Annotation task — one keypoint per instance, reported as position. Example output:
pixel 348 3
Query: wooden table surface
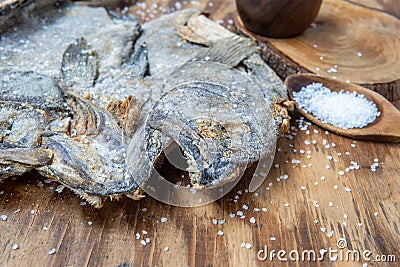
pixel 309 201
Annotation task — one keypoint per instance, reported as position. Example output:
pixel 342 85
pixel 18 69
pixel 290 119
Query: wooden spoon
pixel 386 127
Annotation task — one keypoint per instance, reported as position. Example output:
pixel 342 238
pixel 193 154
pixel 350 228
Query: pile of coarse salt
pixel 341 109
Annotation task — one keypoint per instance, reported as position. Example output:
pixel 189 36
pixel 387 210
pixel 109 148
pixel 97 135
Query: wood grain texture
pixel 297 208
pixel 362 48
pixel 387 6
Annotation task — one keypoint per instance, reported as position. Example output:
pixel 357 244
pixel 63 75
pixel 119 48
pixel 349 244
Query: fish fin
pixel 138 194
pixel 139 62
pixel 223 46
pixel 17 161
pixel 26 156
pixel 229 51
pixel 201 30
pixel 80 65
pixel 95 201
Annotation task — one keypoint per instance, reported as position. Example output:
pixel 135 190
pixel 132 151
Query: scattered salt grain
pixel 374 166
pixel 333 258
pixel 137 235
pixel 330 234
pixel 221 222
pixel 220 233
pixel 245 207
pixel 90 223
pixel 347 189
pixel 178 5
pixel 166 248
pixel 330 204
pixel 59 189
pixel 245 245
pixel 323 229
pixel 4 217
pixel 252 220
pixel 163 220
pixel 32 212
pixel 376 214
pixel 214 221
pixel 333 107
pixel 143 242
pixel 14 246
pixel 52 251
pixel 272 238
pixel 144 232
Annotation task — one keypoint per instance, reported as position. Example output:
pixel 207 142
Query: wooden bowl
pixel 278 18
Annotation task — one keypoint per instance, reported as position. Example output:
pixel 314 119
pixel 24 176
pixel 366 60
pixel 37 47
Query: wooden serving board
pixel 309 203
pixel 347 41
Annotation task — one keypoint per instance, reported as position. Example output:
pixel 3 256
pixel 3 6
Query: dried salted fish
pixel 122 93
pixel 12 11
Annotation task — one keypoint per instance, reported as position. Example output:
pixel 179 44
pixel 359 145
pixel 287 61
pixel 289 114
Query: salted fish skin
pixel 119 75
